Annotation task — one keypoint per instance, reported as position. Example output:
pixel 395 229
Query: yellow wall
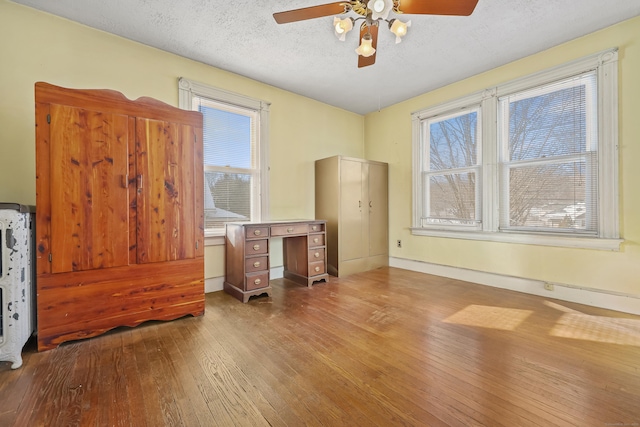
pixel 388 138
pixel 35 46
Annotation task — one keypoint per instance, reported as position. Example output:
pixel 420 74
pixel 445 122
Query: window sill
pixel 213 239
pixel 526 239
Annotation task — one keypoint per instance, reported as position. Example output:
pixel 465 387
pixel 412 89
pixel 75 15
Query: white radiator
pixel 17 290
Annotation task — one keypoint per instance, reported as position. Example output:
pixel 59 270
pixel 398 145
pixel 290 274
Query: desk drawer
pixel 316 267
pixel 316 254
pixel 251 265
pixel 315 228
pixel 256 281
pixel 256 247
pixel 257 232
pixel 316 240
pixel 289 229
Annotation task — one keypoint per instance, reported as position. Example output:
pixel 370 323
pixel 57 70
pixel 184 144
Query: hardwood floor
pixel 383 348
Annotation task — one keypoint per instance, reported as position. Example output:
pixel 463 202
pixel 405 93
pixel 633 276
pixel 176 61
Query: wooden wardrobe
pixel 119 212
pixel 353 196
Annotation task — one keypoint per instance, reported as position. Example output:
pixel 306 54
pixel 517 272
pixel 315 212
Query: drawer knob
pixel 256 247
pixel 314 228
pixel 257 282
pixel 317 269
pixel 316 240
pixel 290 230
pixel 256 232
pixel 317 255
pixel 256 264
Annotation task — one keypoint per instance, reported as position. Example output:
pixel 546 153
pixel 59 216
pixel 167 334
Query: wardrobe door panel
pixel 88 189
pixel 351 208
pixel 378 209
pixel 166 195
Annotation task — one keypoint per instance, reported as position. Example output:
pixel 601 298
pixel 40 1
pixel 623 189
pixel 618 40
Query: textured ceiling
pixel 305 57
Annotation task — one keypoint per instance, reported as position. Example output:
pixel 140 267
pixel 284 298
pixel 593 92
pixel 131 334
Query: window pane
pixel 552 120
pixel 552 196
pixel 227 198
pixel 452 198
pixel 228 136
pixel 453 142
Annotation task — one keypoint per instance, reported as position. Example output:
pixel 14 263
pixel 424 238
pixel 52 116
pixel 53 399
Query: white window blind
pixel 549 161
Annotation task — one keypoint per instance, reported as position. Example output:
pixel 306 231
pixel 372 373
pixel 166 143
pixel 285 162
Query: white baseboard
pixel 276 273
pixel 214 284
pixel 625 303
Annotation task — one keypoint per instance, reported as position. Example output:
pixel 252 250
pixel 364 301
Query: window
pixel 235 140
pixel 548 155
pixel 451 169
pixel 530 161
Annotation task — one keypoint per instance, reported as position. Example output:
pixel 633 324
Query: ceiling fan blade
pixel 438 7
pixel 365 61
pixel 309 12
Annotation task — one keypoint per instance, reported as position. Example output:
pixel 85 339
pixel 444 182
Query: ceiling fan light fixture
pixel 366 49
pixel 399 28
pixel 380 8
pixel 342 27
pixel 370 14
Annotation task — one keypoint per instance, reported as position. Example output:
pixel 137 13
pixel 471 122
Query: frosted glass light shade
pixel 366 49
pixel 342 27
pixel 399 28
pixel 380 8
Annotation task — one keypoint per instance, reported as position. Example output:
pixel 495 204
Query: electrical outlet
pixel 399 244
pixel 548 286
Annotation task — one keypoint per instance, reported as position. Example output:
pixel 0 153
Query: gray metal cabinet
pixel 352 195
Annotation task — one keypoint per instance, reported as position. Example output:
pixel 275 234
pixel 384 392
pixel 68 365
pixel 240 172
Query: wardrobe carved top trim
pixel 112 101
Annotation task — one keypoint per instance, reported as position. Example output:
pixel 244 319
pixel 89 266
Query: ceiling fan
pixel 372 13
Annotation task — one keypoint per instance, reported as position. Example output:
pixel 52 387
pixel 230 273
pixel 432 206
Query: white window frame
pixel 608 238
pixel 187 89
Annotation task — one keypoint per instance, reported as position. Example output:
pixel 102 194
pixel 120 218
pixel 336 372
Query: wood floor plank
pixel 387 347
pixel 161 378
pixel 135 394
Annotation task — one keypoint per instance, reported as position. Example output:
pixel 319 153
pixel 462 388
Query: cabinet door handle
pixel 256 264
pixel 317 269
pixel 359 203
pixel 370 202
pixel 256 247
pixel 257 282
pixel 317 255
pixel 140 181
pixel 290 230
pixel 256 232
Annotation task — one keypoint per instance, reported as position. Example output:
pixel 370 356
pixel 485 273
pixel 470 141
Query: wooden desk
pixel 247 255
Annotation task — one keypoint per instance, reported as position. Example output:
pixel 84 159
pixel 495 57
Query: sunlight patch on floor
pixel 596 328
pixel 506 319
